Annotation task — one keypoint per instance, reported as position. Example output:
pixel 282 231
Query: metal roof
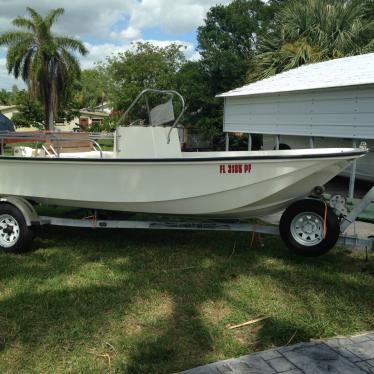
pixel 347 71
pixel 95 113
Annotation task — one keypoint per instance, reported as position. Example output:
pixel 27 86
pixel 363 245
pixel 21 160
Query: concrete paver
pixel 269 355
pixel 364 350
pixel 347 354
pixel 342 355
pixel 366 367
pixel 320 359
pixel 281 364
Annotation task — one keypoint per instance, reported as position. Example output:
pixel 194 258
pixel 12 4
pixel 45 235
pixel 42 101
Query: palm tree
pixel 315 30
pixel 46 62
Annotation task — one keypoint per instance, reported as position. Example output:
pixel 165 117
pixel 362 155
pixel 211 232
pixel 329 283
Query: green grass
pixel 8 150
pixel 161 301
pixel 106 144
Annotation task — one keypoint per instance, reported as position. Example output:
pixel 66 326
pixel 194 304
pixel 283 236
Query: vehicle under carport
pixel 6 125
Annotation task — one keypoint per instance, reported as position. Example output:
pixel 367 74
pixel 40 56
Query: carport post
pixel 227 141
pixel 277 142
pixel 352 178
pixel 249 142
pixel 311 142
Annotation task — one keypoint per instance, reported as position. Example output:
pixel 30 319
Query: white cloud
pixel 97 53
pixel 130 33
pixel 82 17
pixel 172 16
pixel 103 19
pixel 7 80
pixel 111 25
pixel 188 48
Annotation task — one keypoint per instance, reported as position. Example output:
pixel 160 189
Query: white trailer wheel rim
pixel 307 229
pixel 9 231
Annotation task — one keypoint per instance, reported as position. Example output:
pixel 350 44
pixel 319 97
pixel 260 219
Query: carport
pixel 331 99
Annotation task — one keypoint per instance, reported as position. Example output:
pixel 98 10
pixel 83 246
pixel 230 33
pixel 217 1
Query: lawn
pixel 90 301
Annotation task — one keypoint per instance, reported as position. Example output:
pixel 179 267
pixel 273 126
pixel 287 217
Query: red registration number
pixel 235 168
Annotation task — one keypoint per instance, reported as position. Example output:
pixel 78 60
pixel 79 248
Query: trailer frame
pixel 95 222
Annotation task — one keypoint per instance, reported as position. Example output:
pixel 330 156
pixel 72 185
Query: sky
pixel 110 26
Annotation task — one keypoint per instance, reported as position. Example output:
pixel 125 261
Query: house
pixel 8 110
pixel 88 118
pixel 85 119
pixel 104 107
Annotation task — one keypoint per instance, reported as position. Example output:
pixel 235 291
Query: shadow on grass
pixel 84 287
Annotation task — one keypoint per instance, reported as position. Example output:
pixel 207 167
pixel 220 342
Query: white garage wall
pixel 346 112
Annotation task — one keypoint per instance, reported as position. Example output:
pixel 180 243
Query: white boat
pixel 148 172
pixel 236 184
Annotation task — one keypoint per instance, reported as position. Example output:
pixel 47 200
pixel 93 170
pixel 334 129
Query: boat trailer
pixel 31 218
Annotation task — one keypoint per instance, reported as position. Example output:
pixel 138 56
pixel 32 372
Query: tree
pixel 204 111
pixel 143 66
pixel 312 31
pixel 90 90
pixel 227 41
pixel 46 62
pixel 5 97
pixel 30 111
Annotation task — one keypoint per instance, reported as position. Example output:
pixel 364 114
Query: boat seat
pixel 23 152
pixel 69 143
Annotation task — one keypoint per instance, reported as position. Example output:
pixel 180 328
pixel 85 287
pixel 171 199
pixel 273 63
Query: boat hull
pixel 226 185
pixel 364 167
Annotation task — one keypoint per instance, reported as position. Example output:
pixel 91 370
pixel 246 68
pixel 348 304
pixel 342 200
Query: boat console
pixel 150 138
pixel 147 142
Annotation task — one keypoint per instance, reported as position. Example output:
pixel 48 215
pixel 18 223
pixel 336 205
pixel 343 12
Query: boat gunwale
pixel 344 154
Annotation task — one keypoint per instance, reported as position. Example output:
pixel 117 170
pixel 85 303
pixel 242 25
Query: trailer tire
pixel 15 235
pixel 302 228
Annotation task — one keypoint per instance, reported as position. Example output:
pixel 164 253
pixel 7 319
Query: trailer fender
pixel 27 210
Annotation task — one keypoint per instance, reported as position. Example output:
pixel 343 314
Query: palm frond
pixel 315 30
pixel 27 60
pixel 70 43
pixel 35 16
pixel 13 37
pixel 15 56
pixel 53 15
pixel 70 62
pixel 24 22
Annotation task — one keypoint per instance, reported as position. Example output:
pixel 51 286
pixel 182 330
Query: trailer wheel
pixel 15 236
pixel 303 231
